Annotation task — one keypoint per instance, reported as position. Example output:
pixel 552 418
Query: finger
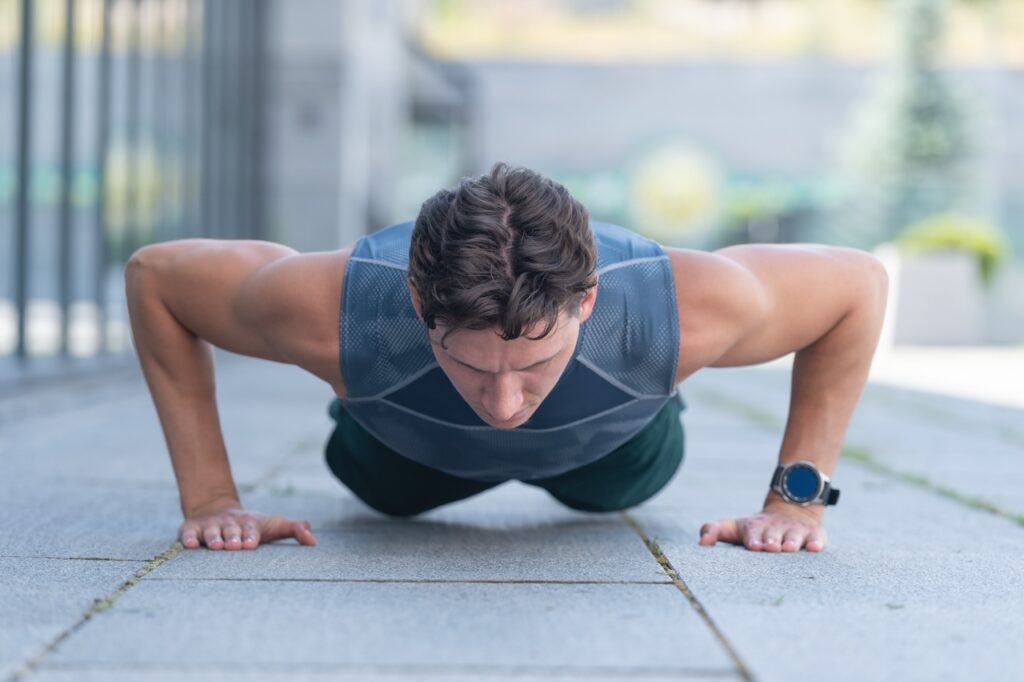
pixel 190 535
pixel 212 537
pixel 709 533
pixel 274 528
pixel 793 540
pixel 816 540
pixel 250 535
pixel 728 531
pixel 232 536
pixel 278 528
pixel 301 531
pixel 773 539
pixel 753 536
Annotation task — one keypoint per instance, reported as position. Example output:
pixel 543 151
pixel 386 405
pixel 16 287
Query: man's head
pixel 502 271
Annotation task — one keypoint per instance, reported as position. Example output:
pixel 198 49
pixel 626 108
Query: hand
pixel 779 527
pixel 237 528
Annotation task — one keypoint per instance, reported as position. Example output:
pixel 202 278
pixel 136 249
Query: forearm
pixel 827 381
pixel 178 368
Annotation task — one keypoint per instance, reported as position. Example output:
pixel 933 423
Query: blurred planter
pixel 940 275
pixel 935 298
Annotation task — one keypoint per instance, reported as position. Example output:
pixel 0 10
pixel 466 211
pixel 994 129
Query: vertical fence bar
pixel 161 126
pixel 22 217
pixel 130 238
pixel 206 134
pixel 67 142
pixel 239 74
pixel 255 168
pixel 102 145
pixel 215 22
pixel 190 137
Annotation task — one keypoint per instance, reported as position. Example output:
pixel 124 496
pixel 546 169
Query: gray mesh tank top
pixel 622 371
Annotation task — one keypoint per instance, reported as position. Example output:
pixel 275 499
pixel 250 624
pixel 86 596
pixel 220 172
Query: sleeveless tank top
pixel 621 373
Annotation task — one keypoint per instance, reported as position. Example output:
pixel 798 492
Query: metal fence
pixel 122 122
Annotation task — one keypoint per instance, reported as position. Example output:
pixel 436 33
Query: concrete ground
pixel 923 577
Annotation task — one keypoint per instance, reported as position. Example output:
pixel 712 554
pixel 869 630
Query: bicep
pixel 806 290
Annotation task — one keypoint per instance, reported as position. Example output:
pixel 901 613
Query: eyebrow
pixel 466 364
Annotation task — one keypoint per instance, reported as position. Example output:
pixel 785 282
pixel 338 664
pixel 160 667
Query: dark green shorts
pixel 397 486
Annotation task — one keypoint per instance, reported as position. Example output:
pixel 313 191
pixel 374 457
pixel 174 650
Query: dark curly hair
pixel 507 249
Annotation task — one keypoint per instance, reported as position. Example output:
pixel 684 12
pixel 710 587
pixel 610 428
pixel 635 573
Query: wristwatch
pixel 802 483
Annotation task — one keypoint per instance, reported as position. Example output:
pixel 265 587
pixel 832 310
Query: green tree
pixel 912 152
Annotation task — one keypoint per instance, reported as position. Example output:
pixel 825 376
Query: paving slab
pixel 911 586
pixel 68 519
pixel 975 450
pixel 268 412
pixel 515 534
pixel 497 626
pixel 41 598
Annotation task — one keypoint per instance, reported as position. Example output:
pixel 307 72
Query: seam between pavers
pixel 99 605
pixel 514 670
pixel 443 581
pixel 741 667
pixel 861 455
pixel 938 414
pixel 298 448
pixel 71 558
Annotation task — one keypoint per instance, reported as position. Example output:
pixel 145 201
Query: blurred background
pixel 887 125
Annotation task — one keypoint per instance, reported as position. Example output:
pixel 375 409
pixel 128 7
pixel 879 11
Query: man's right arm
pixel 186 296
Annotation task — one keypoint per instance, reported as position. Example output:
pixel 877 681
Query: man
pixel 504 336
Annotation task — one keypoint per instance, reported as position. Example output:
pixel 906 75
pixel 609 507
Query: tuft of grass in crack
pixel 861 455
pixel 308 445
pixel 100 604
pixel 866 459
pixel 655 550
pixel 666 567
pixel 286 490
pixel 758 416
pixel 943 416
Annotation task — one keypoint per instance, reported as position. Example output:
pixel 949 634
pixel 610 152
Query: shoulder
pixel 719 300
pixel 297 300
pixel 751 303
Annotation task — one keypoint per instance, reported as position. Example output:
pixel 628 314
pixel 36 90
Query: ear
pixel 587 304
pixel 416 305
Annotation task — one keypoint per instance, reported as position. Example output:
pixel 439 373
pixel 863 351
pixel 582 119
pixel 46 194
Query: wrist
pixel 773 501
pixel 212 505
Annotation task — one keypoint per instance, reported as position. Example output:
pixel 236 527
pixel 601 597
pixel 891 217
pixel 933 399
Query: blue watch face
pixel 801 482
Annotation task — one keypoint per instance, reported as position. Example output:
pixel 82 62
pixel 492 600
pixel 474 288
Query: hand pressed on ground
pixel 780 527
pixel 237 528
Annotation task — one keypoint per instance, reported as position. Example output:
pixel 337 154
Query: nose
pixel 503 398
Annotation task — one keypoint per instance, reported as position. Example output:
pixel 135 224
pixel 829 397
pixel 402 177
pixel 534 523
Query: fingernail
pixel 235 538
pixel 249 538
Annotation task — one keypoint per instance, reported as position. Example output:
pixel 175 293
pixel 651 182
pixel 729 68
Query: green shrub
pixel 953 231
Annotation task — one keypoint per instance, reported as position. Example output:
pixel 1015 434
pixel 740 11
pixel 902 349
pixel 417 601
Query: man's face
pixel 506 381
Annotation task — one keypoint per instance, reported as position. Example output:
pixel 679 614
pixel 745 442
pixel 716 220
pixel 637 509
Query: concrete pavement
pixel 922 579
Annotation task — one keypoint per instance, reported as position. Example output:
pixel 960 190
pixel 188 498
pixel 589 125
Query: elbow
pixel 874 285
pixel 879 278
pixel 140 266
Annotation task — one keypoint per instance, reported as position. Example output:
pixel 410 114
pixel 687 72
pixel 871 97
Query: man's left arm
pixel 827 304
